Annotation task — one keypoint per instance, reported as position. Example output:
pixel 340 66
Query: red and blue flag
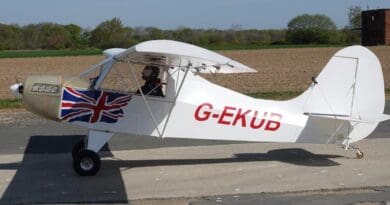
pixel 92 105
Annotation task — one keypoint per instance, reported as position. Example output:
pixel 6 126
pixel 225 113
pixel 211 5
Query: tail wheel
pixel 86 163
pixel 359 154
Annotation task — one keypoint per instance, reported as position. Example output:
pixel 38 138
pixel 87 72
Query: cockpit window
pixel 123 78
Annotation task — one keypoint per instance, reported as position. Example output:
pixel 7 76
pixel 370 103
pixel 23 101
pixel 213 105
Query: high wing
pixel 177 54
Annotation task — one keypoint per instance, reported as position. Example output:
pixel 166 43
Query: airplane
pixel 343 104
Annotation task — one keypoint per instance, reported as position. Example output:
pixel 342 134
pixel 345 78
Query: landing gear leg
pixel 79 146
pixel 86 161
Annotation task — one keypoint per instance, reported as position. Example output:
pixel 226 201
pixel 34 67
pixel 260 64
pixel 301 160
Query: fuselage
pixel 202 110
pixel 198 109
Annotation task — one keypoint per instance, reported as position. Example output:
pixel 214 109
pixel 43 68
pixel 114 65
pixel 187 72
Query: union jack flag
pixel 92 105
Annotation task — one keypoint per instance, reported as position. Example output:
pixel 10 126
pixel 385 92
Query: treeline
pixel 112 33
pixel 303 29
pixel 42 36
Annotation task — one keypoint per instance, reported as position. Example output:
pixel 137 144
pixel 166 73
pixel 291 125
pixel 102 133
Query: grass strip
pixel 10 103
pixel 48 53
pixel 276 95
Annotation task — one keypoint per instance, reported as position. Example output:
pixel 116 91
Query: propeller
pixel 17 89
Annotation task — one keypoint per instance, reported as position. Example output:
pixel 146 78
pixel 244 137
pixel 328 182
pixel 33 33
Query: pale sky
pixel 171 14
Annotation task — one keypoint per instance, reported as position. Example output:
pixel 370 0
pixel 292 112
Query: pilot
pixel 152 81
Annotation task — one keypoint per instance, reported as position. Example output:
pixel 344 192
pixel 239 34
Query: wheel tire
pixel 86 163
pixel 78 147
pixel 359 155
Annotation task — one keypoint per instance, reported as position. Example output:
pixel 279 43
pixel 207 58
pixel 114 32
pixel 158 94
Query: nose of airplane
pixel 41 94
pixel 17 89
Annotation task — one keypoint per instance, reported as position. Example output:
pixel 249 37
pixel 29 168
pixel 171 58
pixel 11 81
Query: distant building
pixel 376 27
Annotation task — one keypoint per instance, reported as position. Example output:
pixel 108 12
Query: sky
pixel 172 14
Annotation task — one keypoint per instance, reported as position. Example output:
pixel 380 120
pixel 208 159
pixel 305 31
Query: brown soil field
pixel 278 69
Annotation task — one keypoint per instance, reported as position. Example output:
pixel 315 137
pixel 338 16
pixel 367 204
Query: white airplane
pixel 343 105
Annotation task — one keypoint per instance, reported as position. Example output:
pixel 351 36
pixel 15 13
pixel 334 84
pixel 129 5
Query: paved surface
pixel 35 166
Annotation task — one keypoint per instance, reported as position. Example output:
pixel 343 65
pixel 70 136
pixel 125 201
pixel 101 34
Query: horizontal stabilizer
pixel 385 117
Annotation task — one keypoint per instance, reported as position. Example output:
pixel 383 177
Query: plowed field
pixel 278 69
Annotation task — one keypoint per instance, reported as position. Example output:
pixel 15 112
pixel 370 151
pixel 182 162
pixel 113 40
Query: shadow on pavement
pixel 298 157
pixel 294 156
pixel 45 174
pixel 54 144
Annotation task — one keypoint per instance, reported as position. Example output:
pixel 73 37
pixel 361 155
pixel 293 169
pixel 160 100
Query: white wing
pixel 173 53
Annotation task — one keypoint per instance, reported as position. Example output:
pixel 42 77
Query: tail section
pixel 346 100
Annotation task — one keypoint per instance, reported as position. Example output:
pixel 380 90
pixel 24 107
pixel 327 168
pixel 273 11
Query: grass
pixel 276 95
pixel 48 53
pixel 10 103
pixel 387 93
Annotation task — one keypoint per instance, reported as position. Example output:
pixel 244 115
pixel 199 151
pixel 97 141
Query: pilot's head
pixel 150 72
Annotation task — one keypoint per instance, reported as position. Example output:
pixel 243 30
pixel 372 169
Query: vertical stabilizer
pixel 347 99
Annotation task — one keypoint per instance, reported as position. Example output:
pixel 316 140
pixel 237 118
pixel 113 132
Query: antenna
pixel 368 4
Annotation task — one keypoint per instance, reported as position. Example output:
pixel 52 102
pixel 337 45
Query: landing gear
pixel 78 147
pixel 347 146
pixel 86 161
pixel 359 154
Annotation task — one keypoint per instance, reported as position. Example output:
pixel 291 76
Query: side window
pixel 121 79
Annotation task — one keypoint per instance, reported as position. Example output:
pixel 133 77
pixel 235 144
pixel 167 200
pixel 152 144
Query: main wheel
pixel 86 163
pixel 78 147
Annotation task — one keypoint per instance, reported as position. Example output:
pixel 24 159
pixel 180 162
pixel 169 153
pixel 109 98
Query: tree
pixel 46 36
pixel 75 36
pixel 11 37
pixel 53 36
pixel 355 17
pixel 49 36
pixel 185 34
pixel 352 31
pixel 155 33
pixel 31 36
pixel 312 29
pixel 110 34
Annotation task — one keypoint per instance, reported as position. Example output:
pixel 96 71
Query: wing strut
pixel 143 97
pixel 175 98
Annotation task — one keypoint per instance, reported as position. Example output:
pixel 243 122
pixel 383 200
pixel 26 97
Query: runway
pixel 36 167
